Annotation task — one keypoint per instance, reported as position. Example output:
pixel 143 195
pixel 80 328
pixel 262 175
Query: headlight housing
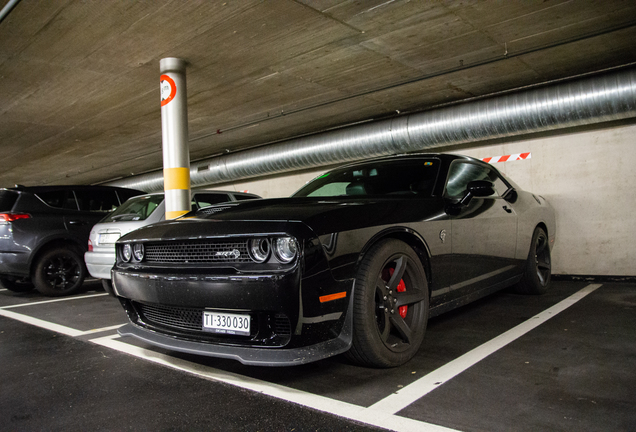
pixel 259 249
pixel 285 249
pixel 138 251
pixel 126 252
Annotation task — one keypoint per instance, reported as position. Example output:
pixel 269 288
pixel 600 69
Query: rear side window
pixel 62 199
pixel 7 200
pixel 97 200
pixel 208 199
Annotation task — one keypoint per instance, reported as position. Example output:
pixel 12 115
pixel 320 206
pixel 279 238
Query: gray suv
pixel 44 232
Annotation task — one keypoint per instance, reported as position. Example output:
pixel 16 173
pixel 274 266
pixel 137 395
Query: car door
pixel 484 230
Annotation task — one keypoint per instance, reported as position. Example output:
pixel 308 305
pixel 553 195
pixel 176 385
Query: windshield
pixel 412 177
pixel 135 209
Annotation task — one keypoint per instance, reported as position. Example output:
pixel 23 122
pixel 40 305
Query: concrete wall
pixel 589 177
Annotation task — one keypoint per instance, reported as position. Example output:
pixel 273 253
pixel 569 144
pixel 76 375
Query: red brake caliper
pixel 400 288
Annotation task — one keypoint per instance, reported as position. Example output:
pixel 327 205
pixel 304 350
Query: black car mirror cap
pixel 477 188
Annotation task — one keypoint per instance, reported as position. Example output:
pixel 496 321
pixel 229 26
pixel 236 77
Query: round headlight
pixel 126 252
pixel 258 249
pixel 138 251
pixel 285 249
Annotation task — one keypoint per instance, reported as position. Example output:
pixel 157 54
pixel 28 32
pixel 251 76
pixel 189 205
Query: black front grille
pixel 282 325
pixel 198 252
pixel 173 317
pixel 267 329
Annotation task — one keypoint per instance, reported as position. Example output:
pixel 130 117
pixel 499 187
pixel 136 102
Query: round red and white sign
pixel 168 89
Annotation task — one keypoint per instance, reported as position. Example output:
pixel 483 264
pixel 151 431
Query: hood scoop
pixel 213 209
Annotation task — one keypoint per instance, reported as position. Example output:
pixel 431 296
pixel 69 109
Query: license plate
pixel 225 323
pixel 109 238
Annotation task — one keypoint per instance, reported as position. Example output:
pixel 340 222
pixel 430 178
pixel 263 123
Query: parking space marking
pixel 54 300
pixel 381 414
pixel 3 289
pixel 99 330
pixel 40 323
pixel 418 389
pixel 321 403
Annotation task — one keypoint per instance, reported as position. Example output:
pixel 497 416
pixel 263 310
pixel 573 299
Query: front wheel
pixel 538 271
pixel 59 272
pixel 390 309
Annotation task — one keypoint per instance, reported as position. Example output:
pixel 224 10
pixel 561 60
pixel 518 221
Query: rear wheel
pixel 59 272
pixel 16 285
pixel 390 310
pixel 538 272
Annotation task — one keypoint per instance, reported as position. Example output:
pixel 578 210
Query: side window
pixel 461 173
pixel 58 199
pixel 208 199
pixel 97 200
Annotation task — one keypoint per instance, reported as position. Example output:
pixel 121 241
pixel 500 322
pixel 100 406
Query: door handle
pixel 509 210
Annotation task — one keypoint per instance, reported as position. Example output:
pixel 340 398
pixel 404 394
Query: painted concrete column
pixel 174 133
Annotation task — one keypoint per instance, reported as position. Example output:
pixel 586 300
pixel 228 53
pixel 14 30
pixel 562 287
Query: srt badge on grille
pixel 229 254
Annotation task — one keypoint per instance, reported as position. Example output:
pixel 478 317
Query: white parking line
pixel 40 323
pixel 54 301
pixel 99 330
pixel 321 403
pixel 409 394
pixel 381 414
pixel 3 289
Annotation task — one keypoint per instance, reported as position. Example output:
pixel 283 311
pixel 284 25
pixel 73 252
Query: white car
pixel 135 213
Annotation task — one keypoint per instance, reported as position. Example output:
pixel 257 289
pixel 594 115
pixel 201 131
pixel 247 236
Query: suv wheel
pixel 59 272
pixel 16 285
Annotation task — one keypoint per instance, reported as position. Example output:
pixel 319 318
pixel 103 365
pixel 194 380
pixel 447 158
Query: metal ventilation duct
pixel 611 96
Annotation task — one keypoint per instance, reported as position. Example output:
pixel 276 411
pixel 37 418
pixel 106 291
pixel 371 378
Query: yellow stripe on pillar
pixel 174 214
pixel 176 178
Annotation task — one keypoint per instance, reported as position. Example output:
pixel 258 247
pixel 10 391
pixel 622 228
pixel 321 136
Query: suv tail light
pixel 90 245
pixel 10 217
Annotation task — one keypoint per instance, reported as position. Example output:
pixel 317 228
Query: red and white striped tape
pixel 508 158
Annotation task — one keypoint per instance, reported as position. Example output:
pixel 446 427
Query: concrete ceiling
pixel 79 80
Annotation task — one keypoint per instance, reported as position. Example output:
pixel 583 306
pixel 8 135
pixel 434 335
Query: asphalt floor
pixel 561 361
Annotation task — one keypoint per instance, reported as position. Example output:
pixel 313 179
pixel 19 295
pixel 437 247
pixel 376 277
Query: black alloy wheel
pixel 538 272
pixel 59 272
pixel 391 302
pixel 17 285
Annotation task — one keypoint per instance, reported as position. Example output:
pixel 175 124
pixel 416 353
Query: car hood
pixel 322 216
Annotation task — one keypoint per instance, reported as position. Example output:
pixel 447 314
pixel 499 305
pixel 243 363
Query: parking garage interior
pixel 266 80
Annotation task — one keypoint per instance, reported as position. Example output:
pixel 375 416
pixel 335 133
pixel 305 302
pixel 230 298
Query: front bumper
pixel 248 355
pixel 288 325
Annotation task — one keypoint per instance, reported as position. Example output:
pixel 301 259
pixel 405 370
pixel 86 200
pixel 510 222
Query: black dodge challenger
pixel 356 261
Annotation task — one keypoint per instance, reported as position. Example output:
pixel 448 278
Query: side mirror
pixel 477 188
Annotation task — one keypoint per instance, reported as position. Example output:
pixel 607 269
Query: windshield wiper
pixel 120 216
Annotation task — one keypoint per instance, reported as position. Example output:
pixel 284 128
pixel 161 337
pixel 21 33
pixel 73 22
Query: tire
pixel 537 275
pixel 391 302
pixel 17 285
pixel 59 272
pixel 107 284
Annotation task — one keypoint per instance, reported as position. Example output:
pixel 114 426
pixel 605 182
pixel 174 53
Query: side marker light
pixel 330 297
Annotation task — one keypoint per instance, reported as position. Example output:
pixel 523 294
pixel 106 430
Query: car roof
pixel 38 189
pixel 199 190
pixel 443 156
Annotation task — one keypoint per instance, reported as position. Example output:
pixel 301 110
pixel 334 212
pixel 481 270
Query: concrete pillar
pixel 174 132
